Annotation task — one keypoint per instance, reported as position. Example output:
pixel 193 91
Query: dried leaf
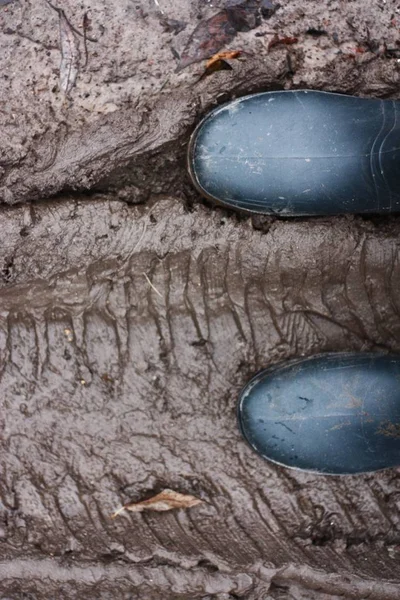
pixel 166 500
pixel 218 62
pixel 226 55
pixel 208 37
pixel 218 31
pixel 218 65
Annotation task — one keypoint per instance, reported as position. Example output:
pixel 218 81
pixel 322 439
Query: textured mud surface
pixel 127 332
pixel 114 389
pixel 129 115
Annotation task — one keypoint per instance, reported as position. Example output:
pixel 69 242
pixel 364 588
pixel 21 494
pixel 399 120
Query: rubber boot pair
pixel 298 153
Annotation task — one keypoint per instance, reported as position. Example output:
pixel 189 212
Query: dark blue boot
pixel 299 153
pixel 333 413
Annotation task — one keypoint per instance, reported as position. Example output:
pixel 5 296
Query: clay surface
pixel 132 314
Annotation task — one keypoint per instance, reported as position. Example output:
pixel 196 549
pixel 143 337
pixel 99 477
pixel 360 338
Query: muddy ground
pixel 132 313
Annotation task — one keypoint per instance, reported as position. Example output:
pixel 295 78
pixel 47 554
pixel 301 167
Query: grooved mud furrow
pixel 102 348
pixel 383 258
pixel 60 371
pixel 142 581
pixel 117 385
pixel 23 363
pixel 225 335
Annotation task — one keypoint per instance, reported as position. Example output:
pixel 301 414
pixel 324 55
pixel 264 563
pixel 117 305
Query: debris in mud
pixel 392 52
pixel 173 25
pixel 86 27
pixel 4 2
pixel 70 54
pixel 316 33
pixel 218 62
pixel 218 31
pixel 226 55
pixel 166 500
pixel 218 65
pixel 268 8
pixel 244 16
pixel 147 278
pixel 156 2
pixel 286 41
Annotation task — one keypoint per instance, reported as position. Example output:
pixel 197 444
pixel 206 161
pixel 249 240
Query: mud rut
pixel 131 314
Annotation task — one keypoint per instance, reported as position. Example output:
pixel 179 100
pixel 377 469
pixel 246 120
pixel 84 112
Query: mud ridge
pixel 122 359
pixel 94 579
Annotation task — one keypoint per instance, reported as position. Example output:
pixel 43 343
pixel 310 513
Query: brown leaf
pixel 217 65
pixel 208 37
pixel 218 62
pixel 166 500
pixel 226 55
pixel 218 31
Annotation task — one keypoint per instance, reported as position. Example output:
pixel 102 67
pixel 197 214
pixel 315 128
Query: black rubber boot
pixel 300 153
pixel 332 413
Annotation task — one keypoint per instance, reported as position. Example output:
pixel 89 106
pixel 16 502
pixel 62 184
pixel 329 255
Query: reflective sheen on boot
pixel 332 413
pixel 296 153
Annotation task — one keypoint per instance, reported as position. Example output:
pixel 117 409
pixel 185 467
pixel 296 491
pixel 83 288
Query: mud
pixel 114 389
pixel 129 105
pixel 132 313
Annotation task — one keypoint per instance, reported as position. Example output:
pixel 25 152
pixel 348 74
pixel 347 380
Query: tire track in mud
pixel 113 387
pixel 94 579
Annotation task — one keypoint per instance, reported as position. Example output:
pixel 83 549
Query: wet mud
pixel 132 313
pixel 126 336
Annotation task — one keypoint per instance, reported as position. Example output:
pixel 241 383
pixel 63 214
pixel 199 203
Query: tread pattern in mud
pixel 121 363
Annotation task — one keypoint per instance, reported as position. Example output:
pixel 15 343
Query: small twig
pixel 164 84
pixel 118 512
pixel 60 11
pixel 152 286
pixel 85 25
pixel 158 4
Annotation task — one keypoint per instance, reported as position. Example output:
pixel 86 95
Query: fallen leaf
pixel 218 65
pixel 218 31
pixel 218 62
pixel 208 37
pixel 166 500
pixel 226 55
